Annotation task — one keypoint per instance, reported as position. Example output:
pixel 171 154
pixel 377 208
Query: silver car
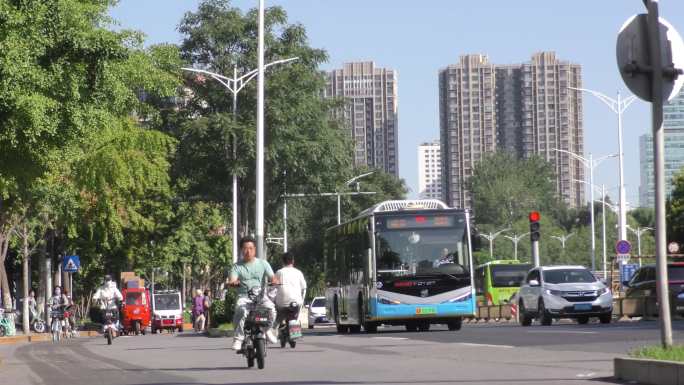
pixel 553 292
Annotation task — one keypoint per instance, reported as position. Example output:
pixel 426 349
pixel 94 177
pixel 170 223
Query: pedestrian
pixel 198 311
pixel 207 309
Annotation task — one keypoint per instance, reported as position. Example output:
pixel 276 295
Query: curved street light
pixel 491 237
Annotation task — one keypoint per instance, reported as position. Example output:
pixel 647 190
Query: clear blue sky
pixel 417 38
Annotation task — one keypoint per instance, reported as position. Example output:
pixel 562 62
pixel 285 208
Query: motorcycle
pixel 290 330
pixel 111 324
pixel 37 324
pixel 57 324
pixel 258 321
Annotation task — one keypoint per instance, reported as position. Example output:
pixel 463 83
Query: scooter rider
pixel 107 296
pixel 292 288
pixel 245 275
pixel 59 301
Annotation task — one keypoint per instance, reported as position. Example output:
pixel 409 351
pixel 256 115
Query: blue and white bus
pixel 403 262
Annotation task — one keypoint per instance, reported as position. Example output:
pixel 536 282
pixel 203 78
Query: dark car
pixel 643 284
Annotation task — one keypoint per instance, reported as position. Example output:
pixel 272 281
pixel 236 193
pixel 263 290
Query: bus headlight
pixel 387 301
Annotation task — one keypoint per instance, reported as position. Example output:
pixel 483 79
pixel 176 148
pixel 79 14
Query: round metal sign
pixel 633 52
pixel 673 247
pixel 623 247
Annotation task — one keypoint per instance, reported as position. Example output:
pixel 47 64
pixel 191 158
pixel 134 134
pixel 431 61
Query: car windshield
pixel 422 251
pixel 133 299
pixel 166 302
pixel 318 302
pixel 568 276
pixel 508 275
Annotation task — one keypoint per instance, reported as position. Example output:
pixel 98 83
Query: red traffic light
pixel 534 216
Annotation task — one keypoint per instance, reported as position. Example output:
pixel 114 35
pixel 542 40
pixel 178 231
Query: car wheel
pixel 455 325
pixel 523 317
pixel 583 320
pixel 544 316
pixel 311 326
pixel 370 327
pixel 424 326
pixel 411 327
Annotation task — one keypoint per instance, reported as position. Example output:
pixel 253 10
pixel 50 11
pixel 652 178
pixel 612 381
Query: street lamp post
pixel 618 106
pixel 603 219
pixel 638 232
pixel 562 238
pixel 491 237
pixel 236 84
pixel 591 164
pixel 515 239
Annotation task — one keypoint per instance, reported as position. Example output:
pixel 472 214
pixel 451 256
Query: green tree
pixel 305 148
pixel 505 189
pixel 675 210
pixel 68 84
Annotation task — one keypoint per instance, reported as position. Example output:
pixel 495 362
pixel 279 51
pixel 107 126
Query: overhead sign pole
pixel 650 55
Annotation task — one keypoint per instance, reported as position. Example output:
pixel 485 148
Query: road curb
pixel 645 371
pixel 44 337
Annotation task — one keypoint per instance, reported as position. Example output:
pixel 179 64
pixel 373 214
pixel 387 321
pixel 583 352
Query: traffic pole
pixel 659 158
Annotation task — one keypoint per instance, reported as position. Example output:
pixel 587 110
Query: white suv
pixel 550 292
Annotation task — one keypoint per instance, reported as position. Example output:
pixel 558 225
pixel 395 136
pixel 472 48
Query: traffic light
pixel 534 226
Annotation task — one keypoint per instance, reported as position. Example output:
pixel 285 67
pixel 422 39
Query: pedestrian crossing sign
pixel 71 264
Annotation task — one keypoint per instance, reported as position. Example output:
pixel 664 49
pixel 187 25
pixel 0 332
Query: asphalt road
pixel 478 354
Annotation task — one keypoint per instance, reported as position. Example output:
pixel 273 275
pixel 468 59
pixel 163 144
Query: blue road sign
pixel 71 264
pixel 623 247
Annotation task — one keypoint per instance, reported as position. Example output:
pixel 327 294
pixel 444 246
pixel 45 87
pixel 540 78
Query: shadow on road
pixel 381 382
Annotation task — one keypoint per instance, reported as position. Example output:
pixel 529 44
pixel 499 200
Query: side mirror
pixel 475 239
pixel 534 283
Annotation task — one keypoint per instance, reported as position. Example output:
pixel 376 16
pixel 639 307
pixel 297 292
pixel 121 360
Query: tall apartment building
pixel 673 129
pixel 370 112
pixel 429 171
pixel 525 109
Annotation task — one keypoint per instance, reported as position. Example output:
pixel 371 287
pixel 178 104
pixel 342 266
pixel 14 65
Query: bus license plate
pixel 426 310
pixel 583 306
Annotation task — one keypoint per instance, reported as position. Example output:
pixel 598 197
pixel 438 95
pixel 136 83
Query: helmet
pixel 107 278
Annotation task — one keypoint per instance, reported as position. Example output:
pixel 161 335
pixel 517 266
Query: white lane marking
pixel 586 375
pixel 560 332
pixel 389 338
pixel 485 345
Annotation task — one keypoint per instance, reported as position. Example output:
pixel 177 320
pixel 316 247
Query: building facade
pixel 673 126
pixel 370 112
pixel 526 109
pixel 429 171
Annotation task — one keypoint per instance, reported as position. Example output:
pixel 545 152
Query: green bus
pixel 498 281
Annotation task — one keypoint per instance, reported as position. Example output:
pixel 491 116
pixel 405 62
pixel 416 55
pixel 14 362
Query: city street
pixel 478 354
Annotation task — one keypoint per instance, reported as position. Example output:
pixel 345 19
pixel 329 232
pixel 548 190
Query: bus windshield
pixel 508 275
pixel 422 251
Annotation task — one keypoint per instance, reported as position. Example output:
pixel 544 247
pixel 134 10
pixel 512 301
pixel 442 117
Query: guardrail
pixel 645 307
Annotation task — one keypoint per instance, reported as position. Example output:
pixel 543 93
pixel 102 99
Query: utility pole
pixel 650 65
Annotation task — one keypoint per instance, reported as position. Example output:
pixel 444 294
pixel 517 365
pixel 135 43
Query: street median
pixel 645 371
